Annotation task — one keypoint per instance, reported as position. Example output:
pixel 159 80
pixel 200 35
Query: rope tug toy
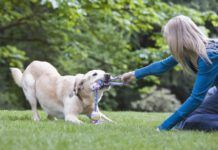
pixel 95 115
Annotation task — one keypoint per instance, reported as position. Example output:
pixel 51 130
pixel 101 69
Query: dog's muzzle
pixel 107 82
pixel 100 84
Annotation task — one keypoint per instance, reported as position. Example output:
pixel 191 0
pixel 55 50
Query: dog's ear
pixel 79 84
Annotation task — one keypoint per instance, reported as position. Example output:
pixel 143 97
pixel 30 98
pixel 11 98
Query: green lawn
pixel 133 130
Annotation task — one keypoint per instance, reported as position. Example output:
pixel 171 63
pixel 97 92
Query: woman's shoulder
pixel 212 45
pixel 212 52
pixel 212 48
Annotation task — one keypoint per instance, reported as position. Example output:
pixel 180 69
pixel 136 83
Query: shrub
pixel 159 100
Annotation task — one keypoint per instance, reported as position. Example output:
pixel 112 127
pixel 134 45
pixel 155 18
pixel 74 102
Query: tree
pixel 77 36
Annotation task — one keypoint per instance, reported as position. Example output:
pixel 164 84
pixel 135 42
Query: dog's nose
pixel 107 76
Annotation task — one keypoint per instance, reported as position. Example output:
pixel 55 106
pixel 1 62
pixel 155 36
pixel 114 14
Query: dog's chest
pixel 88 105
pixel 89 102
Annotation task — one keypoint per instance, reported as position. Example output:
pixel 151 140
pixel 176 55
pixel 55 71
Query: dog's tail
pixel 17 76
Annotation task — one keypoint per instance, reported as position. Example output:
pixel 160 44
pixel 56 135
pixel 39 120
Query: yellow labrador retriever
pixel 59 96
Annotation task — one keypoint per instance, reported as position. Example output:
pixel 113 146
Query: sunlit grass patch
pixel 132 130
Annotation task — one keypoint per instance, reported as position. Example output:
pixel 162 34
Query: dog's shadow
pixel 27 116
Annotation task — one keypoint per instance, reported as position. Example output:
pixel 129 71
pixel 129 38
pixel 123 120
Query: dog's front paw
pixel 73 119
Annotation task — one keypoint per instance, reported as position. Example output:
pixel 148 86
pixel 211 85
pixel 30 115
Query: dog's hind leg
pixel 33 104
pixel 30 93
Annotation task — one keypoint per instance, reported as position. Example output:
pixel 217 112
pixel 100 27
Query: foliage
pixel 11 56
pixel 9 100
pixel 198 4
pixel 157 100
pixel 76 36
pixel 180 83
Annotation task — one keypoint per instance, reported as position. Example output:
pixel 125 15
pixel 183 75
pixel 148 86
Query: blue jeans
pixel 205 117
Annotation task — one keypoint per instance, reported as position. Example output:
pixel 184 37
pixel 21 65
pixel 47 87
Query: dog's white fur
pixel 59 96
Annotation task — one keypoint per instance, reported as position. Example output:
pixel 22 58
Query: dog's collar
pixel 78 95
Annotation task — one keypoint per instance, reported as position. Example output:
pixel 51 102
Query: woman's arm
pixel 205 79
pixel 156 68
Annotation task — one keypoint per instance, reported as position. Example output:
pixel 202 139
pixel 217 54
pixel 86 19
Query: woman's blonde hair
pixel 186 41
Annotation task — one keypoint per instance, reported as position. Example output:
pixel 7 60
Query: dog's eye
pixel 95 74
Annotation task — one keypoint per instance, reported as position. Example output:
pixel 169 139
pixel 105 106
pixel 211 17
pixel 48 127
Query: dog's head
pixel 86 81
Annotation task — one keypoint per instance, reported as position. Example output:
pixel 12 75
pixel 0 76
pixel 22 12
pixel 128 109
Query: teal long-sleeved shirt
pixel 207 76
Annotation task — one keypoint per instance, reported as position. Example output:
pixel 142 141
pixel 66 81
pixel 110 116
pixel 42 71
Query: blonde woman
pixel 198 54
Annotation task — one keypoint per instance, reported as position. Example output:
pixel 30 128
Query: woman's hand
pixel 128 77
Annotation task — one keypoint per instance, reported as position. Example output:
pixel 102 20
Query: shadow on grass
pixel 8 115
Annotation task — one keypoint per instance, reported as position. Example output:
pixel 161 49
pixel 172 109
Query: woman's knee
pixel 212 91
pixel 203 122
